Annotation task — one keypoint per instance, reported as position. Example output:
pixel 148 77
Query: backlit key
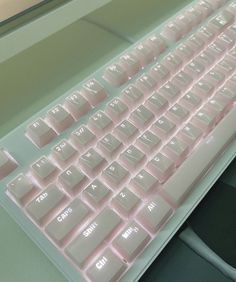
pixel 184 52
pixel 172 32
pixel 116 75
pixel 191 101
pixel 130 63
pixel 116 110
pixel 170 92
pixel 203 89
pixel 100 123
pixel 157 104
pixel 94 92
pixel 44 170
pixel 148 142
pixel 163 127
pixel 160 73
pixel 146 83
pixel 221 21
pixel 132 158
pixel 190 134
pixel 132 96
pixel 126 131
pixel 215 77
pixel 227 93
pixel 205 120
pixel 141 117
pixel 178 114
pixel 195 69
pixel 182 80
pixel 63 152
pixel 172 62
pixel 82 138
pixel 157 44
pixel 7 163
pixel 144 53
pixel 110 146
pixel 195 43
pixel 144 183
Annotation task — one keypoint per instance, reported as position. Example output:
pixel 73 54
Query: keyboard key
pixel 77 105
pixel 87 242
pixel 172 32
pixel 131 241
pixel 157 44
pixel 132 158
pixel 194 15
pixel 215 77
pixel 146 83
pixel 216 50
pixel 59 118
pixel 226 40
pixel 94 92
pixel 219 106
pixel 116 75
pixel 126 131
pixel 221 21
pixel 157 104
pixel 115 175
pixel 191 101
pixel 182 80
pixel 227 67
pixel 190 134
pixel 92 162
pixel 176 150
pixel 141 117
pixel 195 43
pixel 61 227
pixel 96 193
pixel 170 92
pixel 110 146
pixel 160 73
pixel 178 114
pixel 161 166
pixel 184 52
pixel 107 267
pixel 44 170
pixel 116 110
pixel 144 53
pixel 63 152
pixel 125 202
pixel 100 123
pixel 41 208
pixel 227 94
pixel 203 89
pixel 82 138
pixel 163 127
pixel 148 142
pixel 72 180
pixel 22 189
pixel 172 62
pixel 40 133
pixel 132 96
pixel 194 69
pixel 206 59
pixel 7 163
pixel 154 214
pixel 130 63
pixel 206 34
pixel 205 120
pixel 144 183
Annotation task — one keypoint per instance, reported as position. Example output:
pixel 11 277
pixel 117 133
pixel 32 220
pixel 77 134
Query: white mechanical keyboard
pixel 104 176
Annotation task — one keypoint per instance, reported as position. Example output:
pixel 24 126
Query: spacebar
pixel 180 184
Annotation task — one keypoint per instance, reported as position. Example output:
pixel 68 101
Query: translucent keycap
pixel 59 118
pixel 218 51
pixel 43 206
pixel 160 73
pixel 72 180
pixel 191 101
pixel 170 92
pixel 82 138
pixel 205 120
pixel 162 167
pixel 157 104
pixel 203 89
pixel 206 59
pixel 226 40
pixel 141 117
pixel 62 226
pixel 96 193
pixel 157 44
pixel 110 146
pixel 172 32
pixel 144 53
pixel 40 133
pixel 107 267
pixel 178 114
pixel 163 127
pixel 194 15
pixel 131 241
pixel 116 110
pixel 154 214
pixel 215 77
pixel 182 80
pixel 190 134
pixel 94 92
pixel 100 123
pixel 195 69
pixel 146 83
pixel 126 131
pixel 172 62
pixel 22 189
pixel 219 106
pixel 227 67
pixel 7 163
pixel 115 175
pixel 132 96
pixel 144 183
pixel 221 21
pixel 132 157
pixel 116 75
pixel 125 202
pixel 63 152
pixel 148 142
pixel 185 52
pixel 228 94
pixel 195 43
pixel 130 63
pixel 206 34
pixel 92 162
pixel 77 105
pixel 44 170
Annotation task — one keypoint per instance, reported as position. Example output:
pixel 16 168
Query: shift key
pixel 93 236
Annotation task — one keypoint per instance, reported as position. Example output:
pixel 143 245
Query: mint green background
pixel 37 76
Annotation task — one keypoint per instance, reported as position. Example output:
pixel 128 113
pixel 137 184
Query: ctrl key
pixel 107 268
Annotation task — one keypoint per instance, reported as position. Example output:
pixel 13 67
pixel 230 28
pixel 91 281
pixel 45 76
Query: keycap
pixel 44 170
pixel 171 32
pixel 116 110
pixel 226 40
pixel 170 92
pixel 161 166
pixel 227 67
pixel 216 50
pixel 144 54
pixel 94 92
pixel 100 123
pixel 96 193
pixel 7 163
pixel 126 131
pixel 190 134
pixel 227 93
pixel 59 118
pixel 148 142
pixel 131 241
pixel 130 63
pixel 154 214
pixel 221 21
pixel 172 62
pixel 108 267
pixel 61 227
pixel 157 44
pixel 125 202
pixel 185 52
pixel 163 127
pixel 96 232
pixel 203 89
pixel 141 117
pixel 146 83
pixel 40 133
pixel 132 157
pixel 206 59
pixel 77 105
pixel 110 146
pixel 176 150
pixel 41 208
pixel 63 152
pixel 177 113
pixel 144 183
pixel 182 80
pixel 160 73
pixel 205 120
pixel 116 75
pixel 195 43
pixel 191 101
pixel 82 138
pixel 206 33
pixel 22 189
pixel 92 162
pixel 219 106
pixel 157 104
pixel 115 175
pixel 72 180
pixel 195 69
pixel 132 96
pixel 205 8
pixel 215 77
pixel 184 23
pixel 194 15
